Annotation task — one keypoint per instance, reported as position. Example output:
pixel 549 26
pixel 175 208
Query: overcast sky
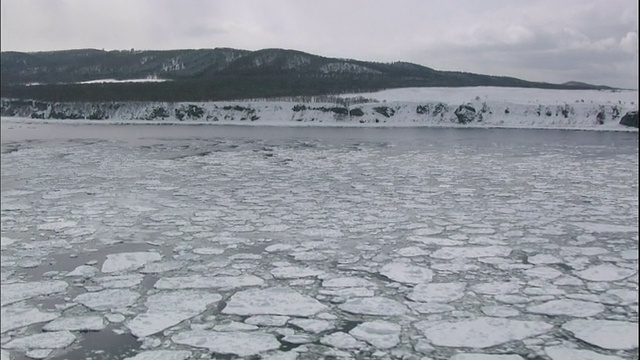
pixel 595 41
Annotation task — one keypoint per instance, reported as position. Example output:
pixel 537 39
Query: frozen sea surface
pixel 191 242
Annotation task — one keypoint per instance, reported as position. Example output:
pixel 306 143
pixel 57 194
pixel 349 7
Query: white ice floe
pixel 481 332
pixel 119 281
pixel 605 272
pixel 15 317
pixel 234 326
pixel 272 301
pixel 129 261
pixel 280 355
pixel 348 292
pixel 115 318
pixel 84 271
pixel 294 272
pixel 568 307
pixel 381 334
pixel 470 252
pixel 167 309
pixel 436 241
pixel 437 292
pixel 475 356
pixel 312 325
pixel 496 288
pixel 162 355
pixel 429 308
pixel 374 306
pixel 38 353
pixel 607 334
pixel 567 353
pixel 205 282
pixel 626 296
pixel 76 323
pixel 57 226
pixel 500 311
pixel 208 251
pixel 407 273
pixel 235 343
pixel 427 231
pixel 346 282
pixel 543 272
pixel 309 256
pixel 5 242
pixel 341 340
pixel 605 228
pixel 47 340
pixel 10 293
pixel 267 320
pixel 110 299
pixel 411 251
pixel 544 259
pixel 160 267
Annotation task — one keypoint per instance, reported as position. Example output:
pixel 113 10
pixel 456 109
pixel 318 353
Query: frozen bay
pixel 316 242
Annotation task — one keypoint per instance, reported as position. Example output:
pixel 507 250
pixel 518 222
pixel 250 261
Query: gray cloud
pixel 544 40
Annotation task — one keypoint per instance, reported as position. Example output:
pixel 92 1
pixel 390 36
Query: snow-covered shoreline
pixel 482 107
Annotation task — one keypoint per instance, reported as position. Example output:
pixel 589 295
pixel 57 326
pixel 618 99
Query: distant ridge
pixel 220 74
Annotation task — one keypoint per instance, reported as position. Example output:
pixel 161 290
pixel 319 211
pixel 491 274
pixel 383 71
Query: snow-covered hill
pixel 441 107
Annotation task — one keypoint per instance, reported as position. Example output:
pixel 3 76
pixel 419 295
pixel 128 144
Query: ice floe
pixel 47 340
pixel 567 307
pixel 437 292
pixel 312 325
pixel 167 309
pixel 478 356
pixel 10 293
pixel 76 323
pixel 567 353
pixel 381 334
pixel 205 282
pixel 272 301
pixel 407 273
pixel 605 272
pixel 341 340
pixel 294 272
pixel 128 261
pixel 342 282
pixel 606 228
pixel 374 306
pixel 481 332
pixel 15 317
pixel 607 334
pixel 234 343
pixel 111 299
pixel 470 252
pixel 161 355
pixel 119 281
pixel 267 320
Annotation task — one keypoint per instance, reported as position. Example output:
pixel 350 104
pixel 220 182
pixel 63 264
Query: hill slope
pixel 219 74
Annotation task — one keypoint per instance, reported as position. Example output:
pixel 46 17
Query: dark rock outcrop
pixel 465 113
pixel 630 119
